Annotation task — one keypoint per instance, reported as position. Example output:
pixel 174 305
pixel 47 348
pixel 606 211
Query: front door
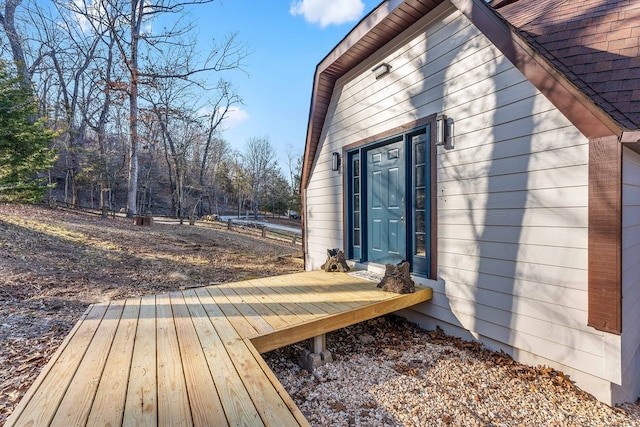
pixel 389 188
pixel 386 181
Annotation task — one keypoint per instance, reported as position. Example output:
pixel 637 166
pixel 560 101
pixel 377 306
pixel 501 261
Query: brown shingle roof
pixel 595 43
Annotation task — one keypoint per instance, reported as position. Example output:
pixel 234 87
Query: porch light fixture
pixel 335 161
pixel 381 70
pixel 444 131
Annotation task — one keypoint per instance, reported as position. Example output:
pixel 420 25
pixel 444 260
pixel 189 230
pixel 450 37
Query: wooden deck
pixel 193 357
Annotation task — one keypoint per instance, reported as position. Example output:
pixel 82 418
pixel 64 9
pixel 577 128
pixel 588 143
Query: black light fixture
pixel 381 70
pixel 444 131
pixel 335 161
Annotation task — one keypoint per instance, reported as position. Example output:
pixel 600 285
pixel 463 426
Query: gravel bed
pixel 389 372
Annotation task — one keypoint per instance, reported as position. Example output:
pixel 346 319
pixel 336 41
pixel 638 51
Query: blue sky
pixel 287 40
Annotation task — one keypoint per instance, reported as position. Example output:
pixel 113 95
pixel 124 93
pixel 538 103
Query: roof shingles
pixel 596 43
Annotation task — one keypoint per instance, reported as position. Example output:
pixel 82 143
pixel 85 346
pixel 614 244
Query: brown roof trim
pixel 573 103
pixel 374 31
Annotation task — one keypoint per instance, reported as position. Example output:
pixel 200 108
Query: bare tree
pixel 215 148
pixel 90 59
pixel 70 54
pixel 220 106
pixel 294 162
pixel 259 161
pixel 278 192
pixel 178 136
pixel 96 115
pixel 240 181
pixel 178 128
pixel 142 52
pixel 17 38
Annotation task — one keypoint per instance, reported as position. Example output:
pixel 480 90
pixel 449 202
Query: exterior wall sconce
pixel 444 131
pixel 381 70
pixel 335 161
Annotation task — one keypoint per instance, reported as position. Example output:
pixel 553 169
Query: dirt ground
pixel 54 263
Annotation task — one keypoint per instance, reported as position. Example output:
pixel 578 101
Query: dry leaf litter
pixel 389 372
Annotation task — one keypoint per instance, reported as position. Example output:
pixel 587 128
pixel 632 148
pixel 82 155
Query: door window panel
pixel 419 188
pixel 355 238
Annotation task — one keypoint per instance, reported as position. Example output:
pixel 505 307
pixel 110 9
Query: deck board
pixel 286 294
pixel 51 385
pixel 235 400
pixel 76 404
pixel 193 357
pixel 112 387
pixel 260 308
pixel 206 407
pixel 173 400
pixel 141 403
pixel 241 324
pixel 290 315
pixel 254 318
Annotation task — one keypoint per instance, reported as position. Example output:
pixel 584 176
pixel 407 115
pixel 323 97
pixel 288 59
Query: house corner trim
pixel 605 234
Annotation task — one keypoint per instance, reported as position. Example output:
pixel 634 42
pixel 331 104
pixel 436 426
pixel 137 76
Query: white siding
pixel 324 209
pixel 631 273
pixel 512 195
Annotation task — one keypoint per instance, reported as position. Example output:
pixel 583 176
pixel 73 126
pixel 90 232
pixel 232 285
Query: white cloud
pixel 89 12
pixel 235 117
pixel 327 12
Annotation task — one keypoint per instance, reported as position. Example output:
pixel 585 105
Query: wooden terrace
pixel 193 357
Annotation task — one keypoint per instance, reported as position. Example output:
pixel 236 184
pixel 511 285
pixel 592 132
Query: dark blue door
pixel 386 180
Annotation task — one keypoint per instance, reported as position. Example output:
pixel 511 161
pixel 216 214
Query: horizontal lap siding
pixel 631 268
pixel 323 208
pixel 512 215
pixel 323 217
pixel 512 195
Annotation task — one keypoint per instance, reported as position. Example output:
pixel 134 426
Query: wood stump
pixel 145 221
pixel 336 261
pixel 397 278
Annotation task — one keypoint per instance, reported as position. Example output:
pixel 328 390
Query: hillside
pixel 54 263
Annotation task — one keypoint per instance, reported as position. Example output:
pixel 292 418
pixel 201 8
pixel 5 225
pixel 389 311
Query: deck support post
pixel 317 354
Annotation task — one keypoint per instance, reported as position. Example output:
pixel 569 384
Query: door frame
pixel 353 152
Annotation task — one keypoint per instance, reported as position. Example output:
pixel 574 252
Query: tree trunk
pixel 132 191
pixel 336 261
pixel 8 22
pixel 102 125
pixel 397 279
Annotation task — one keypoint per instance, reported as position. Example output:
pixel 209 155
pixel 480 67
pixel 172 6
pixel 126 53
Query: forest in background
pixel 137 110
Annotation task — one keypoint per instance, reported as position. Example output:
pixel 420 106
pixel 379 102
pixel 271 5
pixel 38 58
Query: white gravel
pixel 389 372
